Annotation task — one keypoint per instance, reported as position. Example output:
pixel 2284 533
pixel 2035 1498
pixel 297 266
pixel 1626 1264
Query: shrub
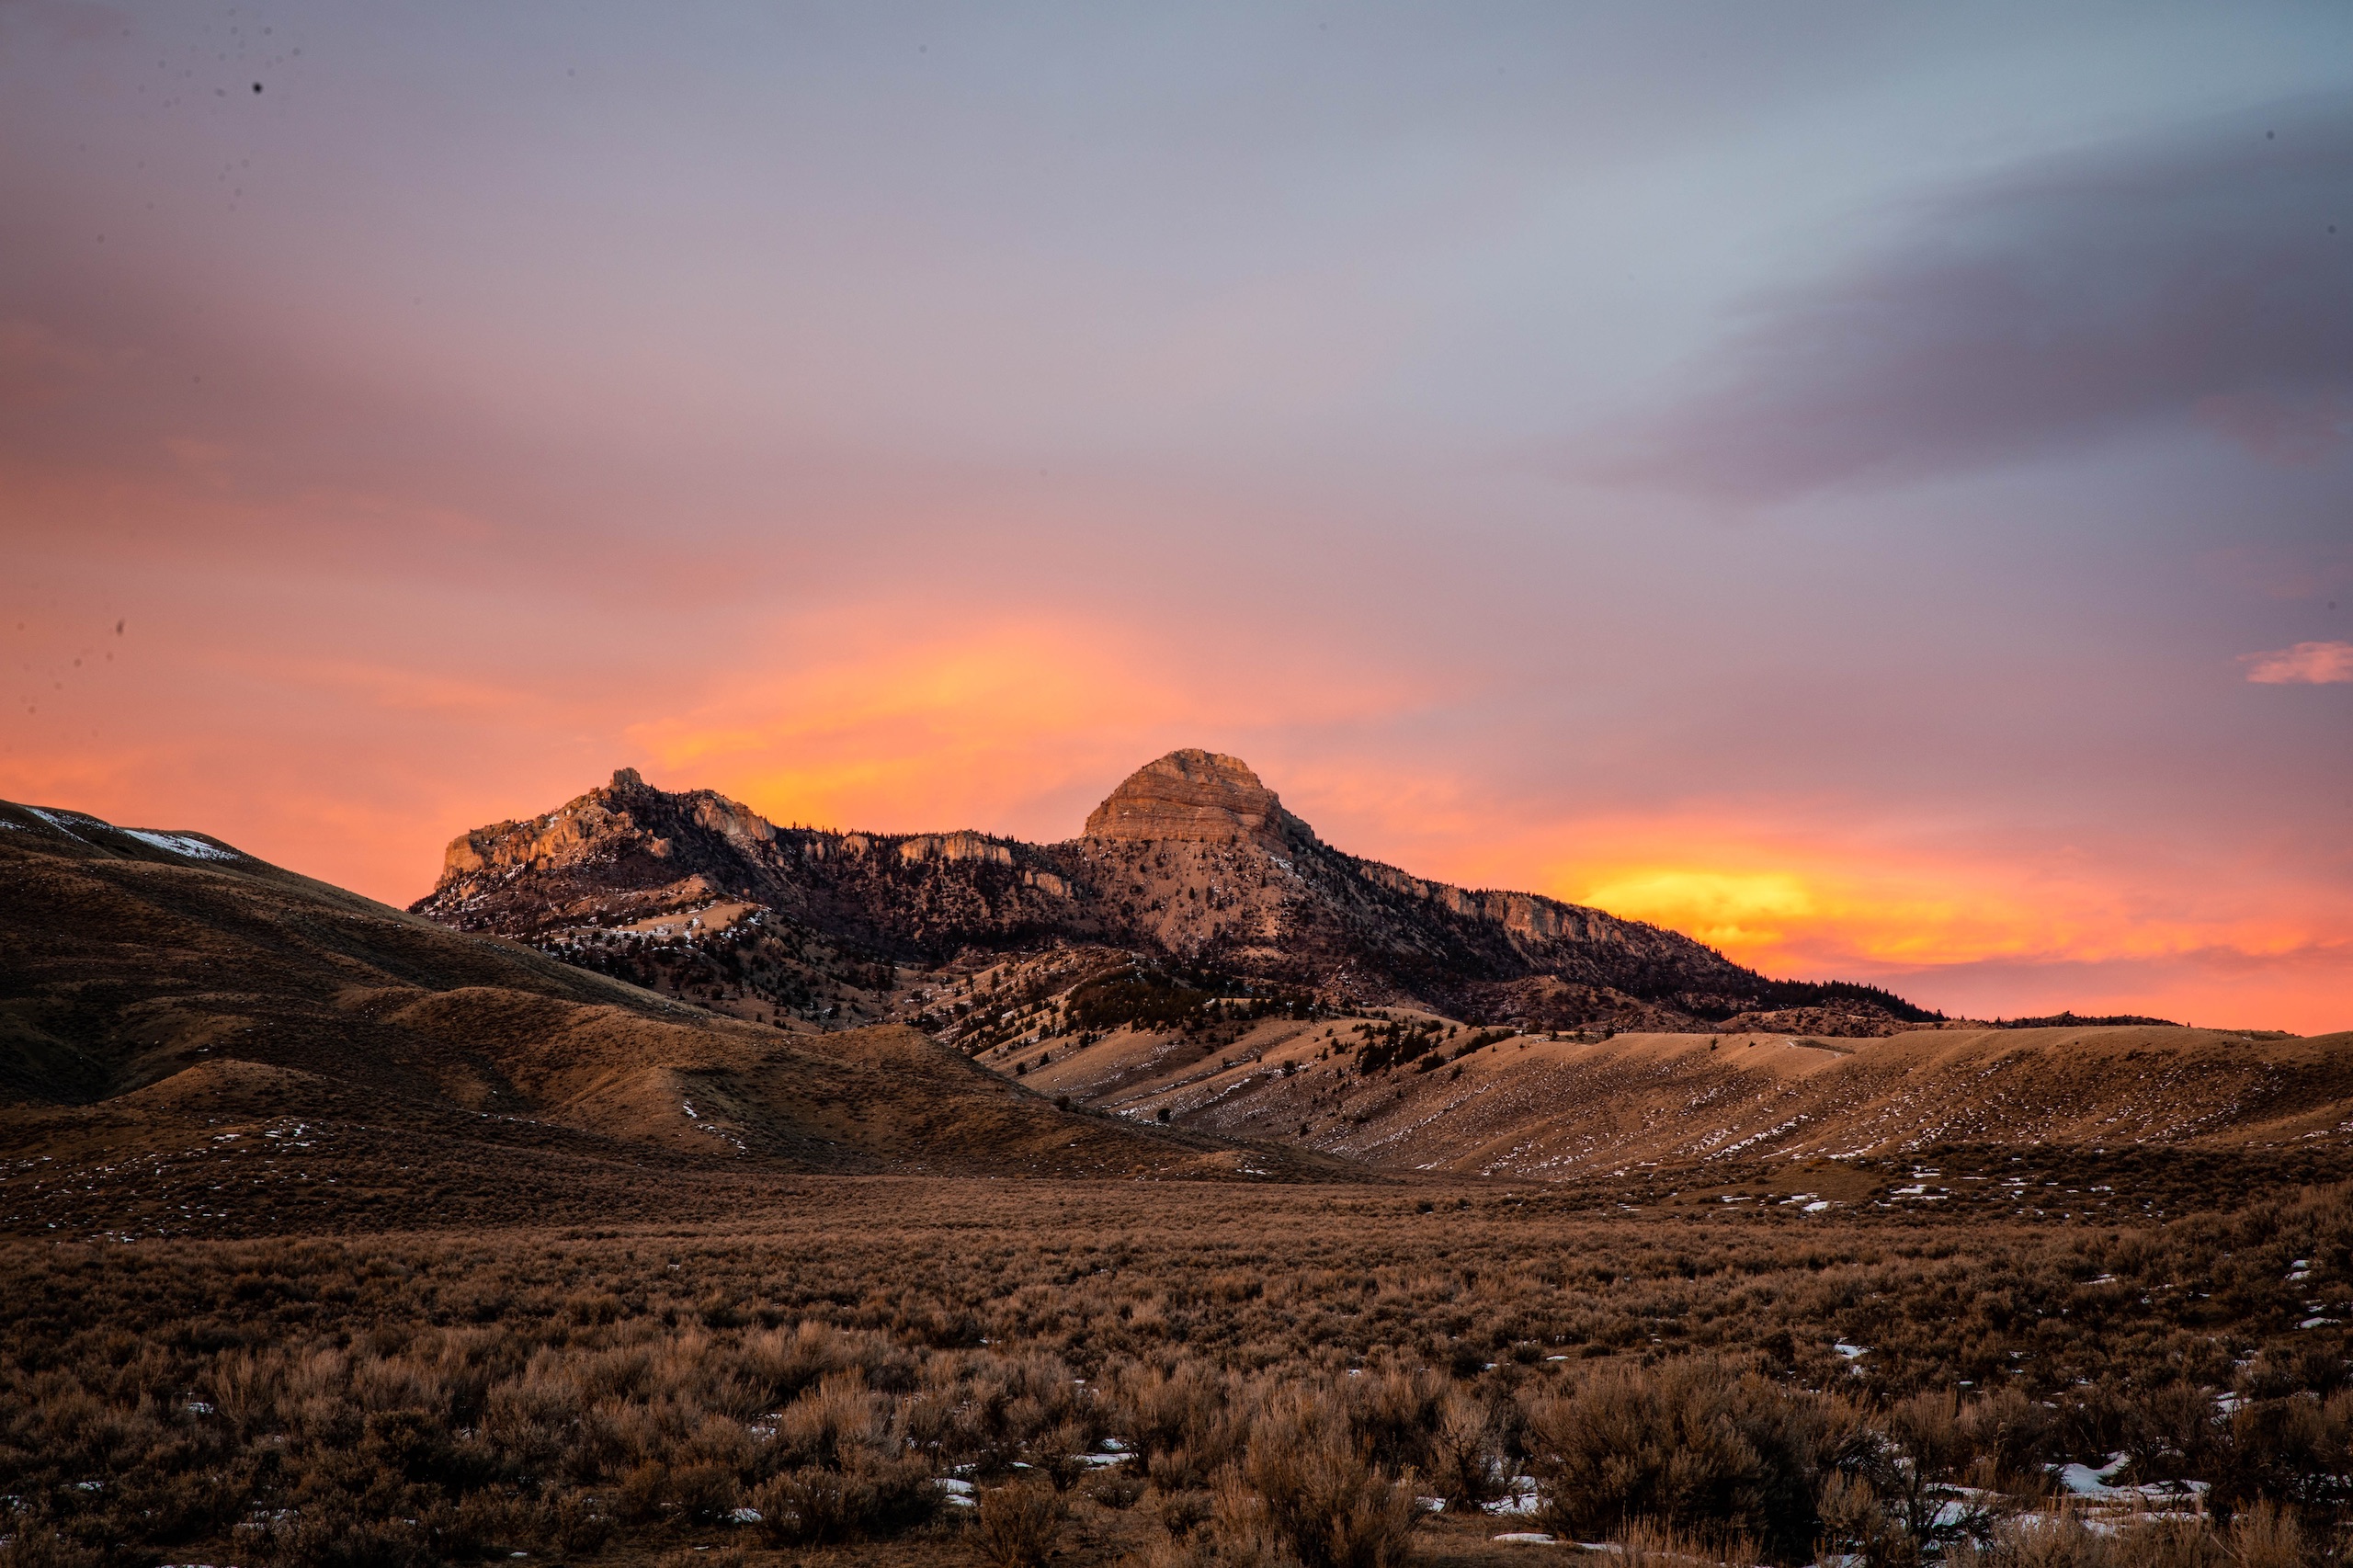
pixel 1186 1424
pixel 1695 1445
pixel 1056 1455
pixel 1395 1410
pixel 1182 1513
pixel 1313 1489
pixel 2267 1536
pixel 1019 1525
pixel 2065 1541
pixel 822 1427
pixel 642 1493
pixel 383 1400
pixel 576 1525
pixel 1466 1451
pixel 1857 1527
pixel 704 1492
pixel 812 1507
pixel 1117 1492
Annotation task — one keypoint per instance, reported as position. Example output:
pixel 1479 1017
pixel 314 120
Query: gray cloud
pixel 2205 276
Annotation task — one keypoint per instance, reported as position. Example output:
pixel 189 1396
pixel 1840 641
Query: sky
pixel 1870 486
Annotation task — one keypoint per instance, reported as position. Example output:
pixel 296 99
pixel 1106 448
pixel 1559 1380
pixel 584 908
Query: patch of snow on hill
pixel 57 819
pixel 181 844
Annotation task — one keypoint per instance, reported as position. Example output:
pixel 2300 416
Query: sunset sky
pixel 1870 485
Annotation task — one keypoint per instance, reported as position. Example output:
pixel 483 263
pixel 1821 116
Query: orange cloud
pixel 2306 663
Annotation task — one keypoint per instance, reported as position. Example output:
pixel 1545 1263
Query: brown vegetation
pixel 1179 1374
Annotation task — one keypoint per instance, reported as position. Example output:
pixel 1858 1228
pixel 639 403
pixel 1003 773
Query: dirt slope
pixel 1531 1106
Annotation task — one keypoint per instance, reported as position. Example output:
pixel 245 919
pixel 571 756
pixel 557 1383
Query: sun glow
pixel 1924 911
pixel 1724 909
pixel 1957 929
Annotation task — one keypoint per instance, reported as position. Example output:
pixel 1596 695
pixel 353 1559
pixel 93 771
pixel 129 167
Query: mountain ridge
pixel 1191 858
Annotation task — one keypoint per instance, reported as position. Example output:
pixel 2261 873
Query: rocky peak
pixel 1197 797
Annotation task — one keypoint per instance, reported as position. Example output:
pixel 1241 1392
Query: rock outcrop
pixel 1197 797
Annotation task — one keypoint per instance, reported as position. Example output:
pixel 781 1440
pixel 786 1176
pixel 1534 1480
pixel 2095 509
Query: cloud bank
pixel 2201 276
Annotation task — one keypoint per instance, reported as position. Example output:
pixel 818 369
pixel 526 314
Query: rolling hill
pixel 1414 1092
pixel 168 1003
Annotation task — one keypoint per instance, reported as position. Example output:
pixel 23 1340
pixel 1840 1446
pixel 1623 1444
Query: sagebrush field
pixel 890 1370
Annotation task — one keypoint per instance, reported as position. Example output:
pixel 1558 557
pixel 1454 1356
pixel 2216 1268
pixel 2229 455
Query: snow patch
pixel 2098 1485
pixel 58 821
pixel 181 844
pixel 1521 1500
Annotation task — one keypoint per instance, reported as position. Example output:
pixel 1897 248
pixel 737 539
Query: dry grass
pixel 1284 1372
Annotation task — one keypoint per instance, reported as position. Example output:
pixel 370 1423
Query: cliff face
pixel 630 852
pixel 1192 857
pixel 1197 797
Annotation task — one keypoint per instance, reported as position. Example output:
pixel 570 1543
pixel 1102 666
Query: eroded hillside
pixel 1414 1091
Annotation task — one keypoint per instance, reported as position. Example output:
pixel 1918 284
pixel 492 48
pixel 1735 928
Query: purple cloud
pixel 2205 275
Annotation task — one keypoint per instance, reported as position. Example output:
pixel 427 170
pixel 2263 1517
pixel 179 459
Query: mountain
pixel 1199 957
pixel 194 1042
pixel 1191 861
pixel 165 998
